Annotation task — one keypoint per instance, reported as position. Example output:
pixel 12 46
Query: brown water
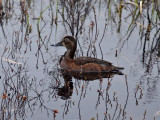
pixel 31 84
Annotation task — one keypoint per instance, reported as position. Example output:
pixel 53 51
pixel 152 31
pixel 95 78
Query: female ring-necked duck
pixel 83 64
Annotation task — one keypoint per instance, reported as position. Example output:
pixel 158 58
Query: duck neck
pixel 70 53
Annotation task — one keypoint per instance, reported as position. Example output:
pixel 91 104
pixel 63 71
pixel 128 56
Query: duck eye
pixel 66 40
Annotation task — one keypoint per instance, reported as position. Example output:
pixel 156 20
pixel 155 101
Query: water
pixel 29 65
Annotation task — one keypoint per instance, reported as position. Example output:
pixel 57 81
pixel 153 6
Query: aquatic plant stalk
pixel 140 7
pixel 41 15
pixel 56 13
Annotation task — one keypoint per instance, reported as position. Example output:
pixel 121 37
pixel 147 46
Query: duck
pixel 83 64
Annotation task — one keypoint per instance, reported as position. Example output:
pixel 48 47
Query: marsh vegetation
pixel 126 33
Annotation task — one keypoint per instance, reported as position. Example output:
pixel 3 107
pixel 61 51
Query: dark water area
pixel 32 87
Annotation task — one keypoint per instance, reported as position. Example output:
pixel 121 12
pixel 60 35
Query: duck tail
pixel 119 68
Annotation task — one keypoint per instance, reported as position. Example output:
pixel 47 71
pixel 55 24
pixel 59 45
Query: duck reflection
pixel 65 92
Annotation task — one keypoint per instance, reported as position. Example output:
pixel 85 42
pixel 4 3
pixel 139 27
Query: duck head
pixel 70 43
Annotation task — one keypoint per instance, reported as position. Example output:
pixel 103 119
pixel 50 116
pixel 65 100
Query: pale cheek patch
pixel 63 44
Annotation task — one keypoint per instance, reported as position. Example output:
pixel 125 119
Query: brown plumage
pixel 83 64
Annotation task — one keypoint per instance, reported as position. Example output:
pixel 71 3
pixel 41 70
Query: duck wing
pixel 85 60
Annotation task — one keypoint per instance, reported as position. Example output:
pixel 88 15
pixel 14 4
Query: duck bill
pixel 58 44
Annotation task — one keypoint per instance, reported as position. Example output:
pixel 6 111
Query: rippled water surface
pixel 122 32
